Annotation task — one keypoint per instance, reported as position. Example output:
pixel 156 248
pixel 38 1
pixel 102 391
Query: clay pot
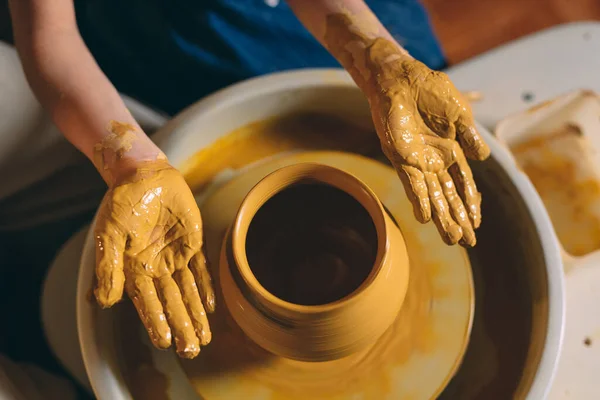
pixel 306 330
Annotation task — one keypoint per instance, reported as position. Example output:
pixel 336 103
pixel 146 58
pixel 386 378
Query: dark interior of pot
pixel 339 244
pixel 511 307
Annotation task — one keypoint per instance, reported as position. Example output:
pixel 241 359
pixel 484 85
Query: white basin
pixel 512 202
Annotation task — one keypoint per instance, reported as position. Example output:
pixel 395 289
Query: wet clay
pixel 120 137
pixel 495 361
pixel 311 244
pixel 148 237
pixel 123 143
pixel 249 364
pixel 424 124
pixel 113 146
pixel 369 373
pixel 560 167
pixel 372 373
pixel 263 139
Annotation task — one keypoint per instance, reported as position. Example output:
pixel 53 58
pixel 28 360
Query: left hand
pixel 426 128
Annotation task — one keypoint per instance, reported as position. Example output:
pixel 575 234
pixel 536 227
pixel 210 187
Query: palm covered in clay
pixel 149 242
pixel 426 128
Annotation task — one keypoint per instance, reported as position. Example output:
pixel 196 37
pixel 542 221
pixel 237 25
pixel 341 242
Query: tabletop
pixel 512 78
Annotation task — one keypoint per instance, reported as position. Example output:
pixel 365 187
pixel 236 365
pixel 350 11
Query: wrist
pixel 128 170
pixel 363 46
pixel 124 150
pixel 387 65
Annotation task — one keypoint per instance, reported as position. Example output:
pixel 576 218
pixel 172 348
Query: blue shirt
pixel 170 53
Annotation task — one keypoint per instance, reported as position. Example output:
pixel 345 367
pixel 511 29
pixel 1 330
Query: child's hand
pixel 148 232
pixel 426 129
pixel 148 239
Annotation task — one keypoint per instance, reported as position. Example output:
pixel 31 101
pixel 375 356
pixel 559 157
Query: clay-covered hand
pixel 148 238
pixel 426 128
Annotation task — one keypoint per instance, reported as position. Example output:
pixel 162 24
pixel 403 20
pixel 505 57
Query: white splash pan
pixel 578 367
pixel 328 91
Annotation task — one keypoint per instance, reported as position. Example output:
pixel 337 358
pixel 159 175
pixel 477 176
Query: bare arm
pixel 346 28
pixel 148 231
pixel 68 82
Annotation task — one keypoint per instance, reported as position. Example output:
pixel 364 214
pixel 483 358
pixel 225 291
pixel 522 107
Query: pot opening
pixel 311 244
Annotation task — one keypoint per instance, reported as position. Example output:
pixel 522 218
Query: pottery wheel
pixel 415 358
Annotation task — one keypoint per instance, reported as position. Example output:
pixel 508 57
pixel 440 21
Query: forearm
pixel 346 29
pixel 68 82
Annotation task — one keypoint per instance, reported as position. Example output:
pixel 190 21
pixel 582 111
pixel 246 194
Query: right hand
pixel 148 239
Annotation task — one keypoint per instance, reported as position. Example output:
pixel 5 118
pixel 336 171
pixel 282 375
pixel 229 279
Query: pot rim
pixel 278 181
pixel 109 384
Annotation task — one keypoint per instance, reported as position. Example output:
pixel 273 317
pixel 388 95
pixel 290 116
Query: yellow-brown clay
pixel 234 366
pixel 148 238
pixel 367 372
pixel 262 139
pixel 424 125
pixel 119 140
pixel 123 144
pixel 560 167
pixel 314 332
pixel 250 368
